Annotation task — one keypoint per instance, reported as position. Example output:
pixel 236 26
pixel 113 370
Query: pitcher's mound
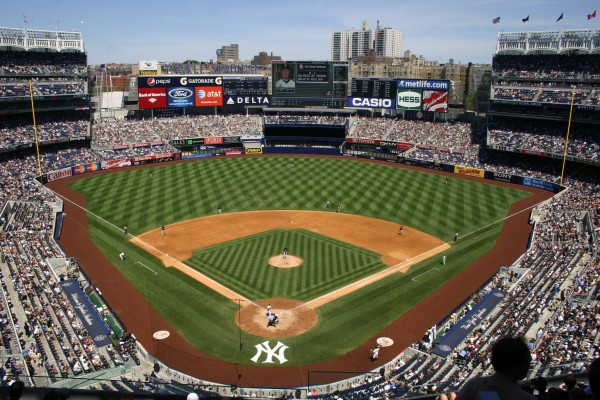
pixel 288 262
pixel 293 318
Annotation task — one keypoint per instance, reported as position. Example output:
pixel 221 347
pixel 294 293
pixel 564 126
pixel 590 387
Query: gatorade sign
pixel 409 100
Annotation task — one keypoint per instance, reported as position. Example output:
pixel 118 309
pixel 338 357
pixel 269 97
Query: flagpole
pixel 37 143
pixel 562 173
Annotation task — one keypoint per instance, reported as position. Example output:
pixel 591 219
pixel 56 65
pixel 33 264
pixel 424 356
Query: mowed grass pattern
pixel 177 192
pixel 182 191
pixel 242 265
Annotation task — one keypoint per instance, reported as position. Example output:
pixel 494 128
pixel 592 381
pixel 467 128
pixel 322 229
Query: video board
pixel 309 83
pixel 373 92
pixel 423 94
pixel 401 94
pixel 246 91
pixel 201 91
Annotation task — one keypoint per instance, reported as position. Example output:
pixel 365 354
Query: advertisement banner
pixel 213 140
pixel 148 65
pixel 233 153
pixel 81 169
pixel 468 171
pixel 371 102
pixel 247 100
pixel 468 323
pixel 540 184
pixel 208 96
pixel 152 98
pixel 409 100
pixel 112 164
pixel 435 100
pixel 180 97
pixel 363 141
pixel 86 312
pixel 424 84
pixel 59 174
pixel 253 150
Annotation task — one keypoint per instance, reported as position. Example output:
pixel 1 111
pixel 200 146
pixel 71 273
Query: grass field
pixel 242 265
pixel 187 190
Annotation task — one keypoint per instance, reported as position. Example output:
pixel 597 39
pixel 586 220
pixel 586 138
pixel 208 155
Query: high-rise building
pixel 228 54
pixel 353 43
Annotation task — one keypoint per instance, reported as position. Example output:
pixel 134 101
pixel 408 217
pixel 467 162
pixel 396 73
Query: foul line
pixel 335 294
pixel 185 268
pixel 145 266
pixel 426 272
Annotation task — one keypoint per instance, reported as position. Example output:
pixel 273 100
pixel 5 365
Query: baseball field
pixel 349 274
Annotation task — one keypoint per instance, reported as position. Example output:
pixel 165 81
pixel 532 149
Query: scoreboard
pixel 400 94
pixel 376 88
pixel 245 86
pixel 309 83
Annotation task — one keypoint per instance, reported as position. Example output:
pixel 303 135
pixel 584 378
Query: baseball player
pixel 285 253
pixel 162 229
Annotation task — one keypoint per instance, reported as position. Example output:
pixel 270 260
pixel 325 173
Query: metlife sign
pixel 371 102
pixel 424 84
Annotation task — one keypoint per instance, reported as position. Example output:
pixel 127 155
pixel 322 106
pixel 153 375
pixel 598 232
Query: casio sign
pixel 409 99
pixel 370 102
pixel 181 93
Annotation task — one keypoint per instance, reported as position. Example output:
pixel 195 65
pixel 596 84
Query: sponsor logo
pixel 245 100
pixel 151 94
pixel 371 102
pixel 213 140
pixel 278 352
pixel 52 176
pixel 409 99
pixel 253 150
pixel 99 338
pixel 502 177
pixel 183 81
pixel 204 81
pixel 154 81
pixel 181 93
pixel 209 96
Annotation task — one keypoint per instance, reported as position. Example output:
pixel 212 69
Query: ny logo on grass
pixel 277 352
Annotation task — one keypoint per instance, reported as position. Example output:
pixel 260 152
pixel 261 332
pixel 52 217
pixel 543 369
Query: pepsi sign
pixel 180 97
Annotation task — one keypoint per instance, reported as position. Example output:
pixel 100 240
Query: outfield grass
pixel 182 191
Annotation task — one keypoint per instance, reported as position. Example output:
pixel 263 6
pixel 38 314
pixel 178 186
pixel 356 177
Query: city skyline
pixel 120 32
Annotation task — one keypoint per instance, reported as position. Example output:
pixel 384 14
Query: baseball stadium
pixel 323 246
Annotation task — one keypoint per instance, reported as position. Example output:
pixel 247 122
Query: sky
pixel 127 31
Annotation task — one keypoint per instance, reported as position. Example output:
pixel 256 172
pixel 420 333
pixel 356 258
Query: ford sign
pixel 181 93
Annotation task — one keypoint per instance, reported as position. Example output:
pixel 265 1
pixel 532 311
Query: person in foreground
pixel 510 359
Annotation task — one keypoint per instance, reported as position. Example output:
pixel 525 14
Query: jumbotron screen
pixel 309 83
pixel 401 94
pixel 201 91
